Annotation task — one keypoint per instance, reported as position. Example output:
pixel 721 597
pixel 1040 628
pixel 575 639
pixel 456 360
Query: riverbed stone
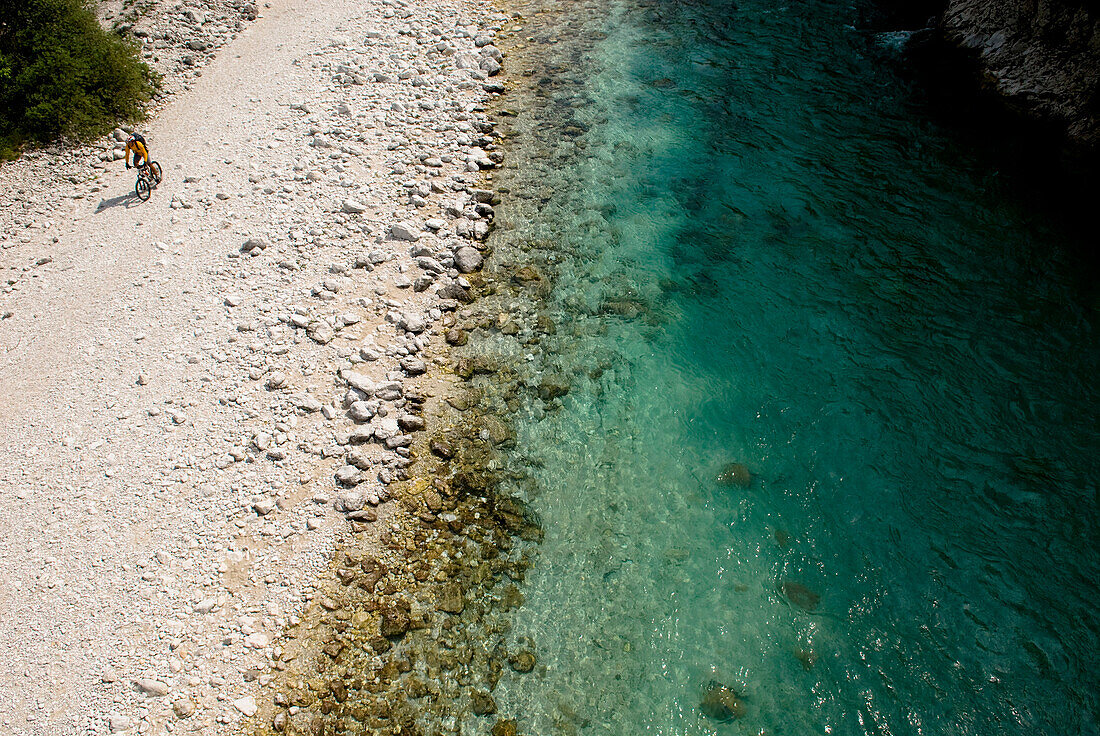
pixel 405 231
pixel 721 702
pixel 412 322
pixel 347 475
pixel 414 366
pixel 800 595
pixel 320 332
pixel 349 500
pixel 523 661
pixel 441 448
pixel 264 506
pixel 155 688
pixel 359 381
pixel 454 291
pixel 468 259
pixel 411 422
pixel 119 723
pixel 354 206
pixel 736 475
pixel 395 623
pixel 361 411
pixel 504 727
pixel 451 598
pixel 482 703
pixel 184 708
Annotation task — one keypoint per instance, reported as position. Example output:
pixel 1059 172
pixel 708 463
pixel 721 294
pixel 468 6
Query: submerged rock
pixel 451 599
pixel 721 702
pixel 525 274
pixel 735 474
pixel 807 657
pixel 553 387
pixel 626 307
pixel 441 449
pixel 504 727
pixel 800 595
pixel 523 661
pixel 415 687
pixel 482 703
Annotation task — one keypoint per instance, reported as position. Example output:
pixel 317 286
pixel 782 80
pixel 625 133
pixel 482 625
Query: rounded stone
pixel 467 259
pixel 523 661
pixel 735 474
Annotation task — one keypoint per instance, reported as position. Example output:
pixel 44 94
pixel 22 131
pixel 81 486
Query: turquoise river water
pixel 756 248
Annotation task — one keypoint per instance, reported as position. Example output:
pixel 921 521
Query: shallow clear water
pixel 756 249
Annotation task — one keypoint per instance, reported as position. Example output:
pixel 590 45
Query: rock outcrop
pixel 1040 59
pixel 1041 56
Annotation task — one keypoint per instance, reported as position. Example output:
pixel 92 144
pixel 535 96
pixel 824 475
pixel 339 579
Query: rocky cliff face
pixel 1041 56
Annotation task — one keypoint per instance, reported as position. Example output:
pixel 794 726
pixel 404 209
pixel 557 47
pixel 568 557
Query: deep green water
pixel 757 248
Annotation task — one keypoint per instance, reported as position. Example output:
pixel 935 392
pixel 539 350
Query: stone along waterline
pixel 806 401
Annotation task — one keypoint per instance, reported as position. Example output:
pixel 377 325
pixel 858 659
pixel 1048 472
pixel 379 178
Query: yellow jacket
pixel 138 150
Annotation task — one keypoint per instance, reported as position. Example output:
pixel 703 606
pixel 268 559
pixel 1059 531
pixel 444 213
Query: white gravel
pixel 169 371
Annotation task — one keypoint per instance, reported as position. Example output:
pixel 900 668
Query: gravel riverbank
pixel 204 392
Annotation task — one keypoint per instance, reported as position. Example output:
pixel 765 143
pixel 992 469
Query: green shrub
pixel 61 74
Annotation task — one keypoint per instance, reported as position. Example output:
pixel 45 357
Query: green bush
pixel 61 74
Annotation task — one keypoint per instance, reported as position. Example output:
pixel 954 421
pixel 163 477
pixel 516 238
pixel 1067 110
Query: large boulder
pixel 468 259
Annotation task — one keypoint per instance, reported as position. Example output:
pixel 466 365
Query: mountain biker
pixel 136 143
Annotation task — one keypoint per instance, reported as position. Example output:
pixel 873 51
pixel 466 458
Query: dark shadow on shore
pixel 122 200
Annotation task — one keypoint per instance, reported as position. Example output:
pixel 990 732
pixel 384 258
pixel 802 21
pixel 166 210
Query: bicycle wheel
pixel 142 188
pixel 154 169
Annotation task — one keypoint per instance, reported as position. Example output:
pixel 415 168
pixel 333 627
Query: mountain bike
pixel 149 176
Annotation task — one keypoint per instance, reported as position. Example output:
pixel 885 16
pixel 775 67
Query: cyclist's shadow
pixel 122 200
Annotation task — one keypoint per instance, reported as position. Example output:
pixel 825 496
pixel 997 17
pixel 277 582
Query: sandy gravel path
pixel 172 413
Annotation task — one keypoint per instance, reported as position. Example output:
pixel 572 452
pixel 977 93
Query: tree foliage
pixel 62 74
